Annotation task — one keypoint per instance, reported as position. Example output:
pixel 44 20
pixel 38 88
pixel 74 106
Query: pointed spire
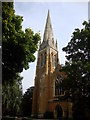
pixel 48 33
pixel 48 18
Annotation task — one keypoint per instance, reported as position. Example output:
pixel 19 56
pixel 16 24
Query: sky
pixel 65 17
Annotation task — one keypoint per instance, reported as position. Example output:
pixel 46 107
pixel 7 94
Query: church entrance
pixel 59 111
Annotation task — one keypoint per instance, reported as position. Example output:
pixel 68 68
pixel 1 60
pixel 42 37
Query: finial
pixel 56 43
pixel 39 43
pixel 48 11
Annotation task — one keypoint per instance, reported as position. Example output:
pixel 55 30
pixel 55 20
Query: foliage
pixel 77 68
pixel 11 97
pixel 26 104
pixel 18 47
pixel 48 115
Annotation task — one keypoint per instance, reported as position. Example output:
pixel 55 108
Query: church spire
pixel 48 33
pixel 48 38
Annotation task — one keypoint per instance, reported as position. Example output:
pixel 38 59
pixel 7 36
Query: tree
pixel 77 68
pixel 26 104
pixel 11 97
pixel 18 47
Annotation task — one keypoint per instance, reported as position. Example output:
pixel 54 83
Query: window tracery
pixel 58 85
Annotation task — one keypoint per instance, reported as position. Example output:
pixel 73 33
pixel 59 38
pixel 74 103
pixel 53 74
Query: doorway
pixel 59 111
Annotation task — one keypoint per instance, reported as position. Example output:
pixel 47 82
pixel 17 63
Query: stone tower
pixel 46 72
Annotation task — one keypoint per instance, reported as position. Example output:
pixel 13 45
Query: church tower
pixel 47 62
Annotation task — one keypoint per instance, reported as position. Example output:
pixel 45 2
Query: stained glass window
pixel 58 85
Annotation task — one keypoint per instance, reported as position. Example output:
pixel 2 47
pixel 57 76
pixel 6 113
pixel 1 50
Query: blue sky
pixel 65 17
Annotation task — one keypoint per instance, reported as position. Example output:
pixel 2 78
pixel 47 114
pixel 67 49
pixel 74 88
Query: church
pixel 48 77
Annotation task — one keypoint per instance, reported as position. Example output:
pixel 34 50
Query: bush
pixel 48 115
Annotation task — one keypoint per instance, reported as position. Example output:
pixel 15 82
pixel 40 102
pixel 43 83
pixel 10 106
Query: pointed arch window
pixel 55 61
pixel 58 85
pixel 45 58
pixel 52 58
pixel 41 59
pixel 53 41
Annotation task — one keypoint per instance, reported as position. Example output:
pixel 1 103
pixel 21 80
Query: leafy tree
pixel 11 96
pixel 18 47
pixel 77 68
pixel 26 104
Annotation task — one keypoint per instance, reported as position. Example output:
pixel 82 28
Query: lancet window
pixel 52 58
pixel 55 60
pixel 58 85
pixel 41 59
pixel 45 58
